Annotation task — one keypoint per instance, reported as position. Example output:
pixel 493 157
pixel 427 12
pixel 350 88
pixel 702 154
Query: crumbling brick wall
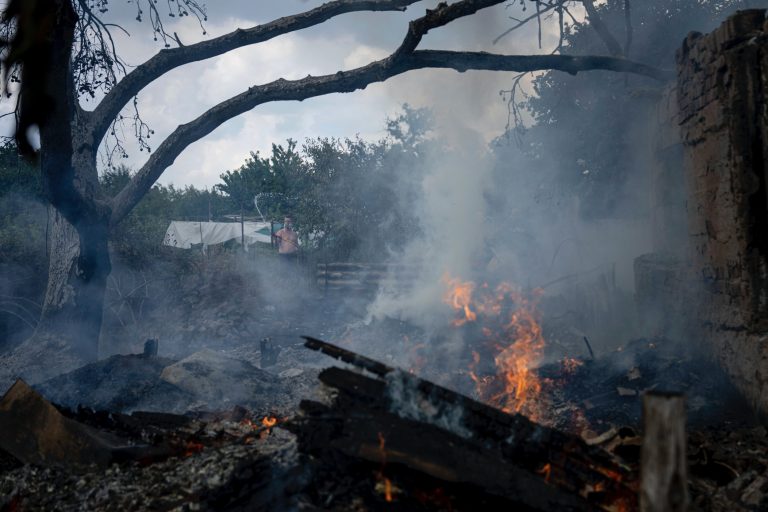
pixel 721 93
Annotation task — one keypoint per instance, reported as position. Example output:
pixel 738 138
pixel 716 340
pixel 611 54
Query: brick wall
pixel 721 95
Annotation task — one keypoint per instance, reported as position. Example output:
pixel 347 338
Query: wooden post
pixel 242 226
pixel 663 470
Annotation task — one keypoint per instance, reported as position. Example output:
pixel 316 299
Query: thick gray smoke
pixel 453 231
pixel 495 216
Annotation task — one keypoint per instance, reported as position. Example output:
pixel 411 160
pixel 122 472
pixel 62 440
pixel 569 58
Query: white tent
pixel 184 235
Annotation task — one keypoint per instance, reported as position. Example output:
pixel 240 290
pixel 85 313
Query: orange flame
pixel 514 338
pixel 387 490
pixel 459 296
pixel 192 448
pixel 269 421
pixel 570 365
pixel 546 470
pixel 384 482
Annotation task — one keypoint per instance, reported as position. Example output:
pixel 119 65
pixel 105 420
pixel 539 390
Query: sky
pixel 470 101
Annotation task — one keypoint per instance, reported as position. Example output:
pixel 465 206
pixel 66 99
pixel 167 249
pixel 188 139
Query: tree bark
pixel 78 267
pixel 78 260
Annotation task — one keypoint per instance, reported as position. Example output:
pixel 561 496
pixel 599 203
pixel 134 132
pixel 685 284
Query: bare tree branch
pixel 348 81
pixel 628 26
pixel 165 60
pixel 404 59
pixel 561 26
pixel 538 21
pixel 614 48
pixel 439 17
pixel 522 22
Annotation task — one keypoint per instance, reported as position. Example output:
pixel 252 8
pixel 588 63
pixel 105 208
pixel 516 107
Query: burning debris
pixel 539 433
pixel 503 365
pixel 500 456
pixel 371 437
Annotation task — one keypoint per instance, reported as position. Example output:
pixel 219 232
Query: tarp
pixel 184 234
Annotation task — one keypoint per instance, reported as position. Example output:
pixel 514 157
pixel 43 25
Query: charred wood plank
pixel 388 440
pixel 35 432
pixel 406 407
pixel 564 461
pixel 347 356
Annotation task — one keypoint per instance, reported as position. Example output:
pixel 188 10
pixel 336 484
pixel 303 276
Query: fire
pixel 387 490
pixel 546 471
pixel 263 427
pixel 384 484
pixel 513 339
pixel 192 448
pixel 459 295
pixel 570 365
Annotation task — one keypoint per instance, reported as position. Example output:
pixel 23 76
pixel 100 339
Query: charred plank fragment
pixel 407 423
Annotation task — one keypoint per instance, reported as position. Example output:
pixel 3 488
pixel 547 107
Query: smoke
pixel 491 214
pixel 452 213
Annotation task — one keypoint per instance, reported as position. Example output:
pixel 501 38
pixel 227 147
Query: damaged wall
pixel 721 87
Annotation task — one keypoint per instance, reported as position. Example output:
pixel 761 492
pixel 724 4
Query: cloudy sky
pixel 469 102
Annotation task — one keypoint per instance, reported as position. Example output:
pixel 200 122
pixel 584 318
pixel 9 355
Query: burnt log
pixel 395 419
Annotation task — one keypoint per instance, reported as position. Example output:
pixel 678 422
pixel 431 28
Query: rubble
pixel 217 379
pixel 374 455
pixel 120 383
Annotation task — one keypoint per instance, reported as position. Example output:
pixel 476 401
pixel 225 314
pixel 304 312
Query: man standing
pixel 287 241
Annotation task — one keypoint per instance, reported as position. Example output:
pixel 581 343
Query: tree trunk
pixel 78 259
pixel 77 276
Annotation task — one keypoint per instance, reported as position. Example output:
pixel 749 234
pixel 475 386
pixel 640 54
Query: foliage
pixel 22 212
pixel 411 127
pixel 23 226
pixel 350 198
pixel 265 179
pixel 137 240
pixel 592 127
pixel 17 175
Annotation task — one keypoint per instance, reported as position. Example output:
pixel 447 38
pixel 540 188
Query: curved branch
pixel 628 27
pixel 441 16
pixel 614 48
pixel 348 81
pixel 169 59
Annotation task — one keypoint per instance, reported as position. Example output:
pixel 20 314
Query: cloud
pixel 362 55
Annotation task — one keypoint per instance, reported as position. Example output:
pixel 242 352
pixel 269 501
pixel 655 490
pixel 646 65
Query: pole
pixel 202 245
pixel 663 464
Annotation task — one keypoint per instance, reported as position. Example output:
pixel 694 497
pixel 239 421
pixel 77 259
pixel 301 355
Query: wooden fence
pixel 363 277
